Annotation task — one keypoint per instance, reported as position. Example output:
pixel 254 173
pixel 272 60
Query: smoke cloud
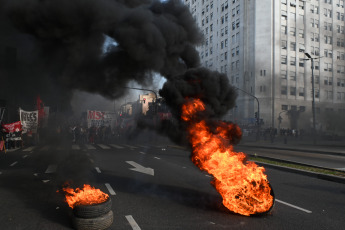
pixel 64 43
pixel 68 38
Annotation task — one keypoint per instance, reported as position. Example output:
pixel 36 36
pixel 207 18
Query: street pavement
pixel 176 196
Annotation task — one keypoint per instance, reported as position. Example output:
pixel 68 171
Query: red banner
pixel 13 127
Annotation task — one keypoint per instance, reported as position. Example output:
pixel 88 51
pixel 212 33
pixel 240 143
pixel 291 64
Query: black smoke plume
pixel 67 36
pixel 63 45
pixel 211 87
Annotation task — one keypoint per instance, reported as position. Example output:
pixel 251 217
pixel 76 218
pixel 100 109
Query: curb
pixel 294 149
pixel 304 172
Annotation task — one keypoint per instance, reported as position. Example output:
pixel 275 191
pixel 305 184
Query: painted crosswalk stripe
pixel 51 169
pixel 98 170
pixel 14 163
pixel 130 146
pixel 132 222
pixel 75 147
pixel 116 146
pixel 90 147
pixel 29 149
pixel 103 146
pixel 110 189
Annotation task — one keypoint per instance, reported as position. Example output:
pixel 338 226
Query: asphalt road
pixel 312 158
pixel 177 196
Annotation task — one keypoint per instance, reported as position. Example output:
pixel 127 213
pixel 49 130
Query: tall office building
pixel 261 46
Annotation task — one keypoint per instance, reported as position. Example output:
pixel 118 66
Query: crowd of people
pixel 92 135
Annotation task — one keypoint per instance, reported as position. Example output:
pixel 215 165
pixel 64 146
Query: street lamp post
pixel 313 93
pixel 258 113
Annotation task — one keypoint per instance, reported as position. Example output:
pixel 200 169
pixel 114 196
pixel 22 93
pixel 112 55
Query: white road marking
pixel 45 148
pixel 45 181
pixel 29 149
pixel 90 147
pixel 157 158
pixel 110 189
pixel 103 146
pixel 51 169
pixel 142 152
pixel 130 146
pixel 75 147
pixel 35 174
pixel 132 222
pixel 293 206
pixel 14 163
pixel 25 156
pixel 208 175
pixel 98 170
pixel 140 168
pixel 184 167
pixel 116 146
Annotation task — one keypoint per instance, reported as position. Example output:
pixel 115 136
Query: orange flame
pixel 242 184
pixel 84 196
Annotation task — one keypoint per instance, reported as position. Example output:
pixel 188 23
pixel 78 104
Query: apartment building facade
pixel 261 46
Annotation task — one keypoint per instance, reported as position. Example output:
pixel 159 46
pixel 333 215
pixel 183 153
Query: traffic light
pixel 256 117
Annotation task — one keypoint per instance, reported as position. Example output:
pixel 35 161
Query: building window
pixel 293 46
pixel 283 74
pixel 301 92
pixel 293 91
pixel 284 44
pixel 283 90
pixel 284 59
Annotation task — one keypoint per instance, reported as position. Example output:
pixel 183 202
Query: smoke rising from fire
pixel 67 40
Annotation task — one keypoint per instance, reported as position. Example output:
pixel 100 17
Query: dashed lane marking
pixel 293 206
pixel 14 163
pixel 29 149
pixel 103 146
pixel 90 147
pixel 98 170
pixel 116 146
pixel 131 146
pixel 157 158
pixel 25 156
pixel 51 169
pixel 110 189
pixel 142 152
pixel 132 222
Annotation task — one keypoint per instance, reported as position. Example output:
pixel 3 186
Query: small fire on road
pixel 242 184
pixel 87 195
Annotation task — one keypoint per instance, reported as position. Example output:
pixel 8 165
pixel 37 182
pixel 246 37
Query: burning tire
pixel 96 223
pixel 92 211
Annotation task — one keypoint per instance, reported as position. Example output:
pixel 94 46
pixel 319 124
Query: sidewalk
pixel 304 145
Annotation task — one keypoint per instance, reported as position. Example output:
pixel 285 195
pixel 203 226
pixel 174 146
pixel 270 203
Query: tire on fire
pixel 96 223
pixel 92 211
